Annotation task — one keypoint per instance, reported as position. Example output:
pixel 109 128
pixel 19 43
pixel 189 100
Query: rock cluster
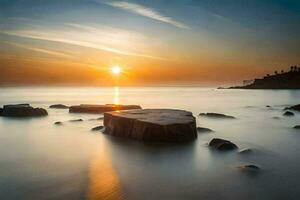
pixel 22 110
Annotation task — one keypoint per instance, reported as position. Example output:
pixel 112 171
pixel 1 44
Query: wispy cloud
pixel 107 39
pixel 41 50
pixel 146 12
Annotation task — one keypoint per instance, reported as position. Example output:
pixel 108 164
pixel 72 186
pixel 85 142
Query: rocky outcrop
pixel 22 110
pixel 58 123
pixel 295 107
pixel 216 115
pixel 288 114
pixel 152 125
pixel 59 106
pixel 96 109
pixel 203 130
pixel 97 128
pixel 222 145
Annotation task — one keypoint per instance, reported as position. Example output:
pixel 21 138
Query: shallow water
pixel 39 160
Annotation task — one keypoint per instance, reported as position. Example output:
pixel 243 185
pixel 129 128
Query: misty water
pixel 40 160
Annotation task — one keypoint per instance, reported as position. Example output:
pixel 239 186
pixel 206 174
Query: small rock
pixel 297 127
pixel 222 145
pixel 59 106
pixel 97 128
pixel 76 120
pixel 99 118
pixel 250 168
pixel 216 115
pixel 203 130
pixel 275 117
pixel 58 123
pixel 268 106
pixel 246 151
pixel 288 114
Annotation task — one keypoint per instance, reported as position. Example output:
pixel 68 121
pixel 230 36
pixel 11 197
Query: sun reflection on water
pixel 104 183
pixel 116 95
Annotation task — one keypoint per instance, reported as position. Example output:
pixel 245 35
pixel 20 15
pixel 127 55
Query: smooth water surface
pixel 40 160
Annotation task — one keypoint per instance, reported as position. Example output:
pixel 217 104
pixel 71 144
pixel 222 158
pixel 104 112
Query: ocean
pixel 40 160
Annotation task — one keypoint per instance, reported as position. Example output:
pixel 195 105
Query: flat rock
pixel 222 145
pixel 97 128
pixel 204 130
pixel 22 110
pixel 152 125
pixel 216 115
pixel 59 106
pixel 288 114
pixel 297 127
pixel 96 109
pixel 58 123
pixel 295 107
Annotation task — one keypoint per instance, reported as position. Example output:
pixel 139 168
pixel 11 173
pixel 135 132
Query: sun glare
pixel 116 70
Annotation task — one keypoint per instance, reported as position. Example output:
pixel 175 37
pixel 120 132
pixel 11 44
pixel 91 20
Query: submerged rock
pixel 58 123
pixel 152 125
pixel 297 127
pixel 96 109
pixel 76 120
pixel 22 110
pixel 216 115
pixel 249 168
pixel 59 106
pixel 295 107
pixel 288 114
pixel 222 145
pixel 275 117
pixel 203 130
pixel 246 151
pixel 97 128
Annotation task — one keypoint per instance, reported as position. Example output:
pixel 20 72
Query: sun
pixel 116 70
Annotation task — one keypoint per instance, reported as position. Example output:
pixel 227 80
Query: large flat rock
pixel 22 110
pixel 97 109
pixel 152 125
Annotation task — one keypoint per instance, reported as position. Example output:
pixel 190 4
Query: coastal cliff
pixel 283 80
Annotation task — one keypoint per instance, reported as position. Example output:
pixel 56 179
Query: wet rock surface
pixel 152 125
pixel 288 114
pixel 295 107
pixel 96 109
pixel 216 115
pixel 297 127
pixel 22 110
pixel 59 106
pixel 222 145
pixel 203 130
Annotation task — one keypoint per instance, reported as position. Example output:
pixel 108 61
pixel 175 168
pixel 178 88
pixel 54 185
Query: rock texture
pixel 152 125
pixel 59 106
pixel 222 145
pixel 295 107
pixel 96 109
pixel 216 115
pixel 22 110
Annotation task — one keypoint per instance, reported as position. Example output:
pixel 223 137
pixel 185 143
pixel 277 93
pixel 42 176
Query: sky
pixel 159 42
